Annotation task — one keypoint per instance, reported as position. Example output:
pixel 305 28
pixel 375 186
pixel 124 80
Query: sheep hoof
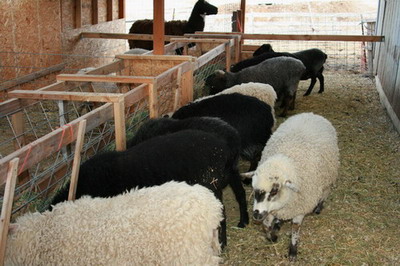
pixel 242 225
pixel 306 94
pixel 320 91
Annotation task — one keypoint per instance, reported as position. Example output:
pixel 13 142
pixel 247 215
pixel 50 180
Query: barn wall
pixel 387 56
pixel 37 34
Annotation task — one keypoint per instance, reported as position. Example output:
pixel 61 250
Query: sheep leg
pixel 270 229
pixel 222 225
pixel 319 207
pixel 286 103
pixel 321 82
pixel 240 195
pixel 312 84
pixel 291 107
pixel 296 223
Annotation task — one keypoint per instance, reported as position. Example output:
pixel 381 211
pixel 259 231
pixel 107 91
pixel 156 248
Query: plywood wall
pixel 37 34
pixel 387 57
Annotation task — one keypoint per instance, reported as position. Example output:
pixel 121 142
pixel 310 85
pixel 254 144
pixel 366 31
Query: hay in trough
pixel 360 224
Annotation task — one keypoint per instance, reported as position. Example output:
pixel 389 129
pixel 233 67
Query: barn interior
pixel 68 91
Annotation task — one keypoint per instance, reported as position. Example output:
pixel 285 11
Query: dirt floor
pixel 361 220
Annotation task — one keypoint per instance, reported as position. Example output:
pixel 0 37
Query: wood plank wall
pixel 387 57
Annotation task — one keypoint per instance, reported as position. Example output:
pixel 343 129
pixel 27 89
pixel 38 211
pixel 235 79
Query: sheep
pixel 214 125
pixel 298 166
pixel 179 27
pixel 194 156
pixel 313 60
pixel 171 224
pixel 252 118
pixel 282 73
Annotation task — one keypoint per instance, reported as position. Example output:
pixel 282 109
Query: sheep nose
pixel 257 215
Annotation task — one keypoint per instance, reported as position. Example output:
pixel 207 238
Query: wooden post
pixel 178 90
pixel 228 56
pixel 121 9
pixel 234 21
pixel 243 14
pixel 77 160
pixel 187 86
pixel 153 100
pixel 109 10
pixel 158 27
pixel 78 13
pixel 62 107
pixel 17 121
pixel 120 130
pixel 95 12
pixel 7 205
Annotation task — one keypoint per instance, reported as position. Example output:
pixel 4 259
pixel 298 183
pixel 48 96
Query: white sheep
pixel 171 224
pixel 137 51
pixel 298 166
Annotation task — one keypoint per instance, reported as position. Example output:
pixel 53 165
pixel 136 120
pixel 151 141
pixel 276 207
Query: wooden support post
pixel 63 114
pixel 235 21
pixel 109 10
pixel 178 90
pixel 7 205
pixel 158 27
pixel 78 14
pixel 237 49
pixel 121 9
pixel 242 14
pixel 17 121
pixel 187 86
pixel 95 12
pixel 77 160
pixel 228 56
pixel 153 100
pixel 119 118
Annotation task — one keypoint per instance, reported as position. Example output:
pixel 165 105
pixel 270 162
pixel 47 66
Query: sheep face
pixel 216 82
pixel 273 187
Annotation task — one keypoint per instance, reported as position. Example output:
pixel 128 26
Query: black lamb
pixel 252 118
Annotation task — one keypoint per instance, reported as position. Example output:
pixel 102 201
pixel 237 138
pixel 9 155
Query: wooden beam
pixel 153 101
pixel 78 13
pixel 121 9
pixel 300 37
pixel 104 78
pixel 137 94
pixel 125 36
pixel 207 57
pixel 199 40
pixel 157 57
pixel 67 96
pixel 7 206
pixel 119 122
pixel 109 10
pixel 77 160
pixel 95 12
pixel 242 14
pixel 41 148
pixel 32 76
pixel 158 27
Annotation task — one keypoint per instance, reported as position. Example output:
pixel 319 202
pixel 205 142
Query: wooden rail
pixel 303 37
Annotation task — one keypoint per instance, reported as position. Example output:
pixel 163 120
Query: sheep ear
pixel 291 186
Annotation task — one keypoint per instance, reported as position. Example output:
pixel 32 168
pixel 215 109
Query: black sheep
pixel 175 27
pixel 194 156
pixel 252 118
pixel 313 60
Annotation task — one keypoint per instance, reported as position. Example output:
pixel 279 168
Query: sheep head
pixel 273 184
pixel 216 82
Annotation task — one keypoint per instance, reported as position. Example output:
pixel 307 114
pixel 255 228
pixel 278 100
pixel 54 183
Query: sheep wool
pixel 263 92
pixel 303 150
pixel 171 224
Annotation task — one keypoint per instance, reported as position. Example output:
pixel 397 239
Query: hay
pixel 361 219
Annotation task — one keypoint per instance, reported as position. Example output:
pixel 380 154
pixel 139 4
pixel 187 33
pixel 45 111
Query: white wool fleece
pixel 171 224
pixel 302 156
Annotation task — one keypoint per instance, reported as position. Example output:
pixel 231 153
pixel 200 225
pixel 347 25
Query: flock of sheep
pixel 161 200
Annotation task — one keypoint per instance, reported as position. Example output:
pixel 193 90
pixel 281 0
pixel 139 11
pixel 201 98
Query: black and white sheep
pixel 282 73
pixel 298 167
pixel 252 118
pixel 171 224
pixel 193 156
pixel 313 60
pixel 178 27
